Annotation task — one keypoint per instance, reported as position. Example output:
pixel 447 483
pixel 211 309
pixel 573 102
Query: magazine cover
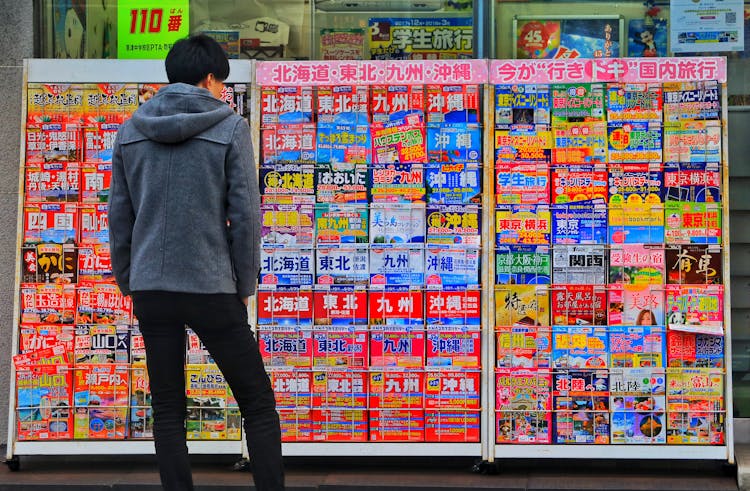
pixel 394 346
pixel 101 400
pixel 452 389
pixel 397 183
pixel 397 223
pixel 340 346
pixel 51 263
pixel 635 141
pixel 340 143
pixel 521 104
pixel 288 144
pixel 284 179
pixel 94 263
pixel 522 224
pixel 637 400
pixel 420 38
pixel 528 143
pixel 693 264
pixel 647 40
pixel 35 337
pixel 575 183
pixel 696 308
pixel 692 181
pixel 54 103
pixel 53 142
pixel 637 346
pixel 102 344
pixel 339 425
pixel 522 264
pixel 574 305
pixel 94 223
pixel 292 388
pixel 396 307
pixel 95 182
pixel 291 307
pixel 342 266
pixel 286 267
pixel 454 225
pixel 396 266
pixel 195 351
pixel 691 101
pixel 141 424
pixel 695 406
pixel 459 308
pixel 640 304
pixel 523 406
pixel 206 392
pixel 524 305
pixel 48 303
pixel 296 424
pixel 399 141
pixel 520 183
pixel 692 223
pixel 451 266
pixel 522 346
pixel 396 425
pixel 636 263
pixel 692 141
pixel 103 303
pixel 580 222
pixel 286 105
pixel 342 44
pixel 579 143
pixel 452 426
pixel 342 182
pixel 634 102
pixel 635 183
pixel 44 398
pixel 341 224
pixel 579 264
pixel 285 346
pixel 109 103
pixel 54 355
pixel 53 182
pixel 456 347
pixel 50 222
pixel 454 142
pixel 339 307
pixel 453 103
pixel 347 104
pixel 397 390
pixel 579 347
pixel 284 225
pixel 340 389
pixel 581 403
pixel 392 102
pixel 577 102
pixel 691 350
pixel 453 183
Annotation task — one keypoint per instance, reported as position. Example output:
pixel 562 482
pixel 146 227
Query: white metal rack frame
pixel 122 71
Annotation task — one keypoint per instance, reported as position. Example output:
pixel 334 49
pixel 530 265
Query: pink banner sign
pixel 632 70
pixel 401 72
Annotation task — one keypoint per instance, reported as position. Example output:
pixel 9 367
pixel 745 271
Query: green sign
pixel 147 29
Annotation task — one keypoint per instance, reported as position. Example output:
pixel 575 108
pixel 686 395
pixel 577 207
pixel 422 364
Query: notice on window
pixel 148 32
pixel 706 26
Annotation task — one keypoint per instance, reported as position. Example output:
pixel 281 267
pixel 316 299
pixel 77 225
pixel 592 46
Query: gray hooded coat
pixel 184 204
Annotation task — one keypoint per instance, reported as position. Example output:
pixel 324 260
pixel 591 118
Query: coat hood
pixel 178 112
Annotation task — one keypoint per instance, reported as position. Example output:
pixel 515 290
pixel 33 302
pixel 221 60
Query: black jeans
pixel 221 323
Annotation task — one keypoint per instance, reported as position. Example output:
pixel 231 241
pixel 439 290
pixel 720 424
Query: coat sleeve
pixel 121 221
pixel 243 210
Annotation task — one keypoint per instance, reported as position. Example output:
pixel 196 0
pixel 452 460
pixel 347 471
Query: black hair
pixel 191 59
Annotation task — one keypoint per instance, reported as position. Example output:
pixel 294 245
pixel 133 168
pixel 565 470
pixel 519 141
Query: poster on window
pixel 592 36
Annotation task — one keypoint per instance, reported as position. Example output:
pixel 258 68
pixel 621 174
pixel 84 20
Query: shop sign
pixel 148 29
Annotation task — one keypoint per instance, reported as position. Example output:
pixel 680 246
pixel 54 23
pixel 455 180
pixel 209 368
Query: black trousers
pixel 221 323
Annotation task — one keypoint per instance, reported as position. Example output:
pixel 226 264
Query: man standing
pixel 184 235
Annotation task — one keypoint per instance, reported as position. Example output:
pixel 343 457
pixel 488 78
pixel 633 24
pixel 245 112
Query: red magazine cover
pixel 579 305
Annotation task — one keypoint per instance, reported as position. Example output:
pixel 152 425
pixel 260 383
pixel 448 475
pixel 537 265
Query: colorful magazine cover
pixel 296 424
pixel 53 182
pixel 521 104
pixel 396 307
pixel 575 183
pixel 397 347
pixel 635 183
pixel 694 264
pixel 286 267
pixel 640 304
pixel 44 398
pixel 453 347
pixel 636 263
pixel 340 389
pixel 527 143
pixel 98 142
pixel 342 306
pixel 635 141
pixel 339 425
pixel 101 401
pixel 451 266
pixel 399 425
pixel 54 103
pixel 691 350
pixel 341 224
pixel 453 183
pixel 452 389
pixel 637 346
pixel 208 415
pixel 54 142
pixel 577 102
pixel 453 103
pixel 634 102
pixel 284 179
pixel 344 183
pixel 342 266
pixel 580 222
pixel 285 346
pixel 454 142
pixel 520 183
pixel 579 264
pixel 94 223
pixel 48 303
pixel 292 388
pixel 141 424
pixel 452 308
pixel 392 102
pixel 581 403
pixel 94 263
pixel 522 224
pixel 102 344
pixel 50 222
pixel 109 103
pixel 286 105
pixel 95 182
pixel 50 263
pixel 347 104
pixel 103 303
pixel 340 143
pixel 637 401
pixel 397 223
pixel 692 181
pixel 340 346
pixel 196 352
pixel 579 347
pixel 523 346
pixel 691 101
pixel 288 144
pixel 35 337
pixel 692 223
pixel 284 225
pixel 399 141
pixel 524 305
pixel 396 265
pixel 397 183
pixel 293 307
pixel 575 305
pixel 579 143
pixel 693 141
pixel 696 308
pixel 420 38
pixel 523 406
pixel 695 406
pixel 397 390
pixel 522 264
pixel 453 225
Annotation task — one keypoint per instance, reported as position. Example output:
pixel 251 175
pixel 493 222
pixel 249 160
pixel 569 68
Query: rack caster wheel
pixel 486 467
pixel 242 465
pixel 14 463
